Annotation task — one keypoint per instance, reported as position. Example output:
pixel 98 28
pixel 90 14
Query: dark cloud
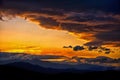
pixel 97 48
pixel 99 59
pixel 104 59
pixel 109 36
pixel 106 27
pixel 78 48
pixel 101 62
pixel 51 57
pixel 76 28
pixel 47 22
pixel 99 17
pixel 74 5
pixel 106 50
pixel 94 43
pixel 117 45
pixel 67 46
pixel 92 48
pixel 5 56
pixel 100 49
pixel 1 19
pixel 99 20
pixel 106 38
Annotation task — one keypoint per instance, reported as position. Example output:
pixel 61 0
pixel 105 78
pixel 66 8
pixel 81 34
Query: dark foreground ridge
pixel 11 71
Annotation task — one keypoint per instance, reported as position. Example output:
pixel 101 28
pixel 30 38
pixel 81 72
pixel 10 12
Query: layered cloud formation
pixel 98 63
pixel 98 22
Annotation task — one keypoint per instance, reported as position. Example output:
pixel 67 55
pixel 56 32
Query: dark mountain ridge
pixel 22 70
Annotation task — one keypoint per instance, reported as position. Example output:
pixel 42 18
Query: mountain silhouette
pixel 22 70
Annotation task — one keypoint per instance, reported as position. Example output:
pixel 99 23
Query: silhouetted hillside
pixel 37 68
pixel 14 71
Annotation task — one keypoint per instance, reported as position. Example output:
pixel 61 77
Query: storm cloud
pixel 99 20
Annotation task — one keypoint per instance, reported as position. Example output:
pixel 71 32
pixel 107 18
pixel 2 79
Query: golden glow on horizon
pixel 53 60
pixel 19 35
pixel 16 50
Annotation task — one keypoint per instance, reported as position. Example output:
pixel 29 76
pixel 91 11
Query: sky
pixel 70 28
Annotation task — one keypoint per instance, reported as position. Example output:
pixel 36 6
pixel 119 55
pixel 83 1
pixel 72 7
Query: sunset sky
pixel 60 27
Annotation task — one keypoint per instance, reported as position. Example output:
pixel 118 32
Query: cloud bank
pixel 18 57
pixel 98 22
pixel 100 63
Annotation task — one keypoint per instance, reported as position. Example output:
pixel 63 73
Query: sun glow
pixel 21 36
pixel 30 51
pixel 15 51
